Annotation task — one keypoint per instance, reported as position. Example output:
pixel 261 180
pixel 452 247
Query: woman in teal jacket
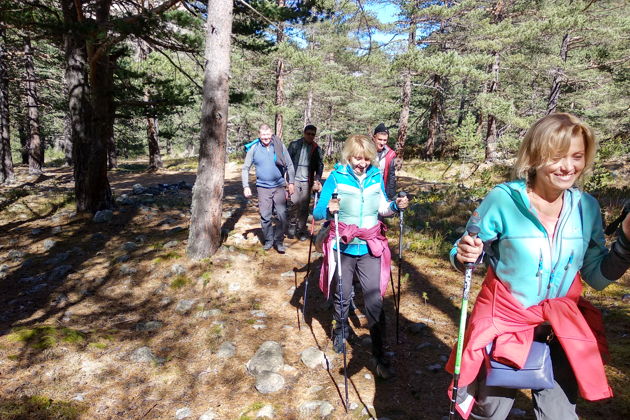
pixel 363 245
pixel 538 232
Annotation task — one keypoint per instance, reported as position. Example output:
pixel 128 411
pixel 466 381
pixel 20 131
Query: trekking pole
pixel 340 287
pixel 473 231
pixel 400 250
pixel 308 265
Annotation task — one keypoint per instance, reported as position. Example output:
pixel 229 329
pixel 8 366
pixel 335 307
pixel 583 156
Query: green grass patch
pixel 39 408
pixel 181 164
pixel 179 282
pixel 250 412
pixel 46 336
pixel 167 257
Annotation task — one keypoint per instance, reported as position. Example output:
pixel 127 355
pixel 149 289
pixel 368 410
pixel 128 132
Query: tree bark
pixel 205 224
pixel 24 136
pixel 491 132
pixel 35 144
pixel 405 96
pixel 558 77
pixel 279 100
pixel 434 118
pixel 6 160
pixel 64 142
pixel 155 161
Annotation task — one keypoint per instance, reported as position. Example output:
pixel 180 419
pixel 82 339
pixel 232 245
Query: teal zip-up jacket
pixel 533 266
pixel 360 203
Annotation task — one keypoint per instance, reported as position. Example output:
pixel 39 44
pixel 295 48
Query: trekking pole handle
pixel 473 232
pixel 334 197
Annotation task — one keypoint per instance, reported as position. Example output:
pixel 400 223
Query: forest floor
pixel 112 321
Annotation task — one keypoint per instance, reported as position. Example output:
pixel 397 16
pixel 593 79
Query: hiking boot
pixel 303 237
pixel 267 246
pixel 383 368
pixel 352 339
pixel 280 248
pixel 337 342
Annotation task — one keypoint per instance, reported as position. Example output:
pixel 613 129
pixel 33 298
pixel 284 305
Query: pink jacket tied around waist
pixel 576 323
pixel 376 242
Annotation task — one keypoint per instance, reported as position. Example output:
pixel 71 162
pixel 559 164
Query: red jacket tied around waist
pixel 576 323
pixel 376 242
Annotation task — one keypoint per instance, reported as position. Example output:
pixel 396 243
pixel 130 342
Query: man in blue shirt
pixel 273 163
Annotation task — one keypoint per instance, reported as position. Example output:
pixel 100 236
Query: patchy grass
pixel 181 164
pixel 180 282
pixel 250 412
pixel 46 336
pixel 39 408
pixel 172 255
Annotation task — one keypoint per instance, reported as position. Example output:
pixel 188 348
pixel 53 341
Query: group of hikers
pixel 539 236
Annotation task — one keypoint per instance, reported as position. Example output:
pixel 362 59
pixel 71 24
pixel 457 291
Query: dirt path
pixel 112 321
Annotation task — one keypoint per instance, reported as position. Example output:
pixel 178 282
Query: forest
pixel 100 98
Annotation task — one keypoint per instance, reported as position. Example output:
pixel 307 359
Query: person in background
pixel 309 165
pixel 541 236
pixel 363 245
pixel 386 157
pixel 272 161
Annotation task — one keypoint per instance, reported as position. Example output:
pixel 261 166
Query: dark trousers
pixel 268 199
pixel 368 271
pixel 301 199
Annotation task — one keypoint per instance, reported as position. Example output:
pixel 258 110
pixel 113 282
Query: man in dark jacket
pixel 307 161
pixel 272 162
pixel 386 157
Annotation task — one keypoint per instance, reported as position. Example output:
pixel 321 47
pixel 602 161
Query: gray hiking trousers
pixel 268 199
pixel 301 199
pixel 558 403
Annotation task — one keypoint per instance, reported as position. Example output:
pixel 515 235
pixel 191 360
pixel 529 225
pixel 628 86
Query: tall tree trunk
pixel 279 101
pixel 330 146
pixel 205 223
pixel 558 77
pixel 491 132
pixel 6 160
pixel 35 144
pixel 79 108
pixel 434 118
pixel 64 142
pixel 405 96
pixel 24 136
pixel 155 161
pixel 308 111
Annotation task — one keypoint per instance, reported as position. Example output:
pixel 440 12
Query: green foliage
pixel 180 282
pixel 617 147
pixel 46 336
pixel 39 407
pixel 468 142
pixel 599 178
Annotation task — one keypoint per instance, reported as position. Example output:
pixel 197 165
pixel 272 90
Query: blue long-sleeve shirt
pixel 268 174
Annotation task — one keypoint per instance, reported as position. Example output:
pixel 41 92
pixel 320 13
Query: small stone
pixel 226 350
pixel 175 230
pixel 127 269
pixel 49 244
pixel 168 221
pixel 353 406
pixel 59 273
pixel 314 389
pixel 123 258
pixel 15 255
pixel 98 236
pixel 178 269
pixel 313 357
pixel 265 412
pixel 208 415
pixel 626 298
pixel 140 239
pixel 259 314
pixel 149 326
pixel 368 376
pixel 268 357
pixel 130 246
pixel 233 287
pixel 259 326
pixel 269 382
pixel 137 189
pixel 314 409
pixel 171 244
pixel 290 273
pixel 36 231
pixel 417 327
pixel 79 397
pixel 143 355
pixel 183 413
pixel 103 216
pixel 185 305
pixel 56 230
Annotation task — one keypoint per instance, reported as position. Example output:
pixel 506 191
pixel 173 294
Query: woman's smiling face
pixel 359 164
pixel 561 173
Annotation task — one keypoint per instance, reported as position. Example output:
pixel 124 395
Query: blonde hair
pixel 359 145
pixel 549 138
